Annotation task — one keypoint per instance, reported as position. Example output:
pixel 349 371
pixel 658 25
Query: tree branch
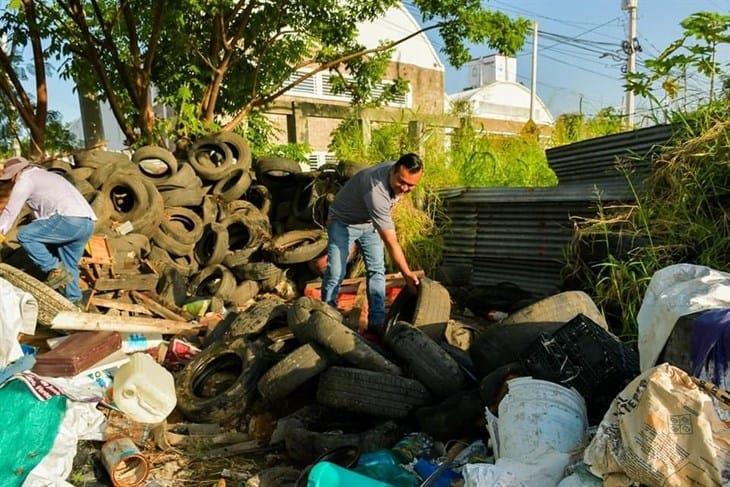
pixel 7 65
pixel 92 57
pixel 24 112
pixel 41 108
pixel 132 31
pixel 154 36
pixel 322 67
pixel 113 52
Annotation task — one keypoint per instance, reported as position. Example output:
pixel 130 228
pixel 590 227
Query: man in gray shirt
pixel 63 223
pixel 361 212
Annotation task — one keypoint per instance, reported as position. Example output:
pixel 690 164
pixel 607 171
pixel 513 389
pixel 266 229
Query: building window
pixel 319 86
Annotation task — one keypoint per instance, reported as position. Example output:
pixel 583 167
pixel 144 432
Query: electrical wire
pixel 580 67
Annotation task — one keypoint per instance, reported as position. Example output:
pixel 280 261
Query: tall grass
pixel 680 215
pixel 467 157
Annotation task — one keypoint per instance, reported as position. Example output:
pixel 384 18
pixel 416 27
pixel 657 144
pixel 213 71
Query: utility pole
pixel 631 6
pixel 533 82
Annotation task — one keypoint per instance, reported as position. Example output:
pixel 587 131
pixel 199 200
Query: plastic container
pixel 536 413
pixel 144 390
pixel 425 467
pixel 326 474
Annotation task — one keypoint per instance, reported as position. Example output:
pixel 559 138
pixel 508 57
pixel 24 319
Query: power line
pixel 580 67
pixel 575 39
pixel 569 23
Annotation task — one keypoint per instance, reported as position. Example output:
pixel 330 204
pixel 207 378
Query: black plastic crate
pixel 583 355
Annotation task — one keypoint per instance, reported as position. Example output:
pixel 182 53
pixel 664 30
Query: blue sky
pixel 565 74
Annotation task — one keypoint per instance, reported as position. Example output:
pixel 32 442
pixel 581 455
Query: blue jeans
pixel 340 239
pixel 58 238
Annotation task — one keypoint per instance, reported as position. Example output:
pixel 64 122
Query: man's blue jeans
pixel 340 239
pixel 58 238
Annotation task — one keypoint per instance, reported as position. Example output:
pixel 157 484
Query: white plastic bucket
pixel 536 415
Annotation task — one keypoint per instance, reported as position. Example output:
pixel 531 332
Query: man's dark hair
pixel 411 162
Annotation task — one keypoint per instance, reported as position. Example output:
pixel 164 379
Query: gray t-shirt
pixel 366 198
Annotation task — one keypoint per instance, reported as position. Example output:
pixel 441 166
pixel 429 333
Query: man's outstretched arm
pixel 396 253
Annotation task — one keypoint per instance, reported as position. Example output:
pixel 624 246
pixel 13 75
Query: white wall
pixel 396 24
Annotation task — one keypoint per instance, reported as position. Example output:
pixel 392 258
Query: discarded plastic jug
pixel 144 390
pixel 326 474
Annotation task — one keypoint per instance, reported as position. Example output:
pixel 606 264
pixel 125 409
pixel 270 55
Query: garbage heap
pixel 230 229
pixel 292 394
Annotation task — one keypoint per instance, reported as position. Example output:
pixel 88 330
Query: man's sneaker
pixel 58 277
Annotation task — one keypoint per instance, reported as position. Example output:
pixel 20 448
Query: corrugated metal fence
pixel 520 235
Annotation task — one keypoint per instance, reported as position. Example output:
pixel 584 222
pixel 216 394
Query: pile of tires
pixel 279 353
pixel 231 226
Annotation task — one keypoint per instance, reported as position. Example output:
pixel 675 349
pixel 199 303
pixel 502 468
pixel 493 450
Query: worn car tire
pixel 301 365
pixel 102 174
pixel 215 280
pixel 190 197
pixel 318 430
pixel 559 308
pixel 298 246
pixel 143 156
pixel 259 196
pixel 245 292
pixel 301 310
pixel 428 362
pixel 211 159
pixel 245 236
pixel 212 247
pixel 430 310
pixel 128 196
pixel 233 185
pixel 248 359
pixel 50 303
pixel 498 345
pixel 185 177
pixel 458 416
pixel 346 343
pixel 240 150
pixel 371 393
pixel 266 273
pixel 183 224
pixel 171 243
pixel 253 321
pixel 276 167
pixel 82 173
pixel 347 169
pixel 97 157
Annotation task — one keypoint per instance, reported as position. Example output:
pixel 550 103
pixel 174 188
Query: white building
pixel 495 94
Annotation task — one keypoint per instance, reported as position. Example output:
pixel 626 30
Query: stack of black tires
pixel 279 356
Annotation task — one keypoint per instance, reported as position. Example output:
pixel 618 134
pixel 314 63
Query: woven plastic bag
pixel 30 426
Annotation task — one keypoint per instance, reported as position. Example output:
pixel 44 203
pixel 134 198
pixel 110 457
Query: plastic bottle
pixel 144 390
pixel 326 474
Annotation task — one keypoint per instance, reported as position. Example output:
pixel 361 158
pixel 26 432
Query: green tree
pixel 231 57
pixel 20 26
pixel 695 51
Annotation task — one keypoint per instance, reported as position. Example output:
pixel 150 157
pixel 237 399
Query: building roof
pixel 503 100
pixel 395 24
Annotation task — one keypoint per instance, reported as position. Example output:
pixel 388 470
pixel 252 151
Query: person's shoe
pixel 58 277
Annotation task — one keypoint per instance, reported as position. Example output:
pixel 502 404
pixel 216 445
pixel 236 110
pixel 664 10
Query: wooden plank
pixel 69 320
pixel 140 282
pixel 156 307
pixel 113 304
